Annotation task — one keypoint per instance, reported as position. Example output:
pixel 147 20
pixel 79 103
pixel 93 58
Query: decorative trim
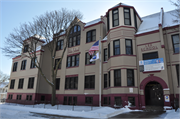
pixel 74 75
pixel 162 46
pixel 103 41
pixel 148 43
pixel 147 33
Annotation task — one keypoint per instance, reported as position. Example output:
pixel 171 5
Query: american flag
pixel 94 47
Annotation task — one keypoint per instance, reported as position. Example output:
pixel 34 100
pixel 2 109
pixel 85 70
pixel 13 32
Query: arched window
pixel 74 37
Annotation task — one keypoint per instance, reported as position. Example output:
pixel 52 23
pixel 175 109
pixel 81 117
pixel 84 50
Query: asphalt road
pixel 135 115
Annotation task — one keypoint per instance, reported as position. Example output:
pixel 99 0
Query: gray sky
pixel 15 12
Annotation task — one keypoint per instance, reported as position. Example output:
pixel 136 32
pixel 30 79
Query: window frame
pixel 116 83
pixel 23 65
pixel 21 82
pixel 125 8
pixel 175 44
pixel 114 48
pixel 130 77
pixel 129 47
pixel 76 61
pixel 59 44
pixel 134 101
pixel 89 100
pixel 29 97
pixel 109 54
pixel 91 35
pixel 33 63
pixel 113 14
pixel 71 83
pixel 135 19
pixel 105 101
pixel 105 54
pixel 55 62
pixel 177 72
pixel 31 82
pixel 74 34
pixel 15 64
pixel 105 81
pixel 26 47
pixel 89 80
pixel 150 53
pixel 118 98
pixel 57 83
pixel 109 78
pixel 86 59
pixel 12 84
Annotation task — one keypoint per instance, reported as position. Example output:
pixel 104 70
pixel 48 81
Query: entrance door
pixel 154 94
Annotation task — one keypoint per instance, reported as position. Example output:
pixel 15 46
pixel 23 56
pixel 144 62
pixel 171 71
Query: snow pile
pixel 171 114
pixel 93 22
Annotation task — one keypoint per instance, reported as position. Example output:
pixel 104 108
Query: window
pixel 109 74
pixel 26 48
pixel 15 66
pixel 175 39
pixel 89 82
pixel 118 101
pixel 65 100
pixel 57 83
pixel 74 37
pixel 109 50
pixel 109 100
pixel 23 65
pixel 105 55
pixel 108 21
pixel 59 45
pixel 105 100
pixel 117 77
pixel 10 97
pixel 18 97
pixel 42 98
pixel 91 36
pixel 31 82
pixel 56 62
pixel 151 55
pixel 132 101
pixel 71 83
pixel 127 17
pixel 130 77
pixel 129 50
pixel 135 20
pixel 21 81
pixel 116 47
pixel 88 57
pixel 177 70
pixel 33 62
pixel 115 16
pixel 73 61
pixel 29 97
pixel 89 100
pixel 105 81
pixel 12 84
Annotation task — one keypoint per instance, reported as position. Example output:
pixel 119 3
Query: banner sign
pixel 166 98
pixel 152 65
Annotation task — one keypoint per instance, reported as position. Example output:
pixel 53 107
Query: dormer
pixel 122 15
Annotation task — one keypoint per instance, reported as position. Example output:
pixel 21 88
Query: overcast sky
pixel 15 12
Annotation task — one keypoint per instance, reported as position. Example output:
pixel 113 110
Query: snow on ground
pixel 10 110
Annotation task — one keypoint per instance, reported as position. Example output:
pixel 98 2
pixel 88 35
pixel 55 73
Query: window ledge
pixel 105 62
pixel 89 89
pixel 22 69
pixel 14 71
pixel 89 64
pixel 73 46
pixel 70 89
pixel 72 67
pixel 57 69
pixel 151 71
pixel 33 68
pixel 91 42
pixel 176 53
pixel 30 88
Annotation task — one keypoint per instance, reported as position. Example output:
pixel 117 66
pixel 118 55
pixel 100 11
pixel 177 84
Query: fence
pixel 59 106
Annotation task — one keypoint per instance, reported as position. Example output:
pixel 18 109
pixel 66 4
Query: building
pixel 3 90
pixel 127 39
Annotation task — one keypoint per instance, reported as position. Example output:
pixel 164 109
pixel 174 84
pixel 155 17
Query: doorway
pixel 154 94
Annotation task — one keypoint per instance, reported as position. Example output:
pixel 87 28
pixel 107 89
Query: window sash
pixel 175 40
pixel 33 62
pixel 12 84
pixel 115 17
pixel 151 55
pixel 23 65
pixel 26 48
pixel 130 77
pixel 109 77
pixel 129 50
pixel 105 81
pixel 109 50
pixel 132 101
pixel 57 83
pixel 118 101
pixel 73 61
pixel 105 101
pixel 91 36
pixel 127 17
pixel 71 83
pixel 105 55
pixel 177 71
pixel 88 57
pixel 117 77
pixel 116 47
pixel 20 85
pixel 89 100
pixel 89 82
pixel 56 62
pixel 31 82
pixel 15 66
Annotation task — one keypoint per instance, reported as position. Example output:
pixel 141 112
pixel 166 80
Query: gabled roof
pixel 151 22
pixel 93 22
pixel 121 4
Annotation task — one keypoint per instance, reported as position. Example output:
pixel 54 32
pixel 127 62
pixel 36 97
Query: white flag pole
pixel 100 72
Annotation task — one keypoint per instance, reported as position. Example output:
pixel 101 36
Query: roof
pixel 151 22
pixel 120 4
pixel 93 22
pixel 2 85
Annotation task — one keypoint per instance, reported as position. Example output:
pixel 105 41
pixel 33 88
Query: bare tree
pixel 177 11
pixel 45 28
pixel 3 77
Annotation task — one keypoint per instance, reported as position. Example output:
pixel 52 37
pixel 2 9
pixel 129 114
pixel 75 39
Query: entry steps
pixel 153 108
